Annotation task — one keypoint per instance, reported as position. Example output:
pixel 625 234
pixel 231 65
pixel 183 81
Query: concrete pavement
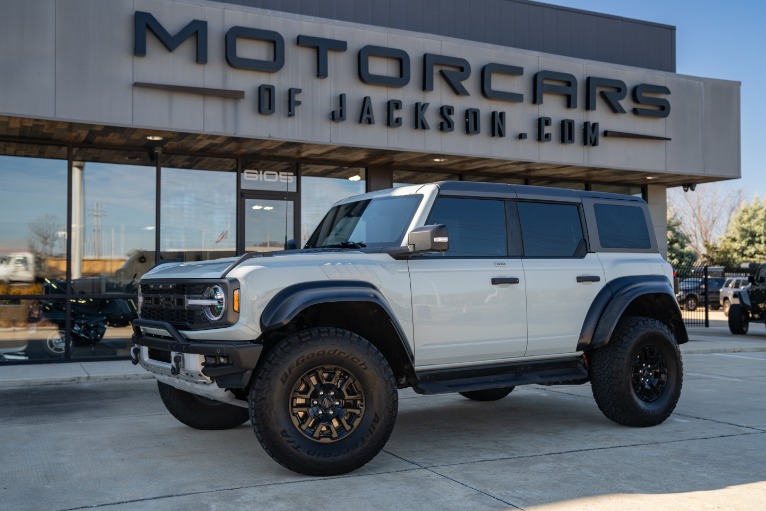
pixel 110 445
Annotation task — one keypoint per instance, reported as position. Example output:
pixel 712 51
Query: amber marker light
pixel 235 305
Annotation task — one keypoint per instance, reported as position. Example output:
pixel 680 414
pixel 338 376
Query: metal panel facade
pixel 96 72
pixel 513 23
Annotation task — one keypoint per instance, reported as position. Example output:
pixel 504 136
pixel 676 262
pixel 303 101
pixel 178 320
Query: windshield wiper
pixel 346 244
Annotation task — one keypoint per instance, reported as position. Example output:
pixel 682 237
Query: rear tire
pixel 200 412
pixel 636 379
pixel 726 306
pixel 691 303
pixel 324 402
pixel 739 322
pixel 487 394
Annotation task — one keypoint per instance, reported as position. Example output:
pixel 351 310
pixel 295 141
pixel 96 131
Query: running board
pixel 568 371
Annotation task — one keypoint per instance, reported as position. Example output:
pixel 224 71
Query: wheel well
pixel 662 307
pixel 366 319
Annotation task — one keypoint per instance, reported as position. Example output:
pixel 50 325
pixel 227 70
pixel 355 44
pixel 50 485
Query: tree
pixel 43 233
pixel 680 253
pixel 704 214
pixel 745 239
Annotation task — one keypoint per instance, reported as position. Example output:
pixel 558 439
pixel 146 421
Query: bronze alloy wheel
pixel 327 403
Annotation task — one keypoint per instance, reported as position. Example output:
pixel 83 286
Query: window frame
pixel 592 224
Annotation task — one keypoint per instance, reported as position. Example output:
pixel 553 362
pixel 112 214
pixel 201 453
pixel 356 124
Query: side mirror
pixel 291 245
pixel 429 238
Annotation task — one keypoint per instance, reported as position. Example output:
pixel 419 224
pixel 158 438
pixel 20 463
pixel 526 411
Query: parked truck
pixel 17 267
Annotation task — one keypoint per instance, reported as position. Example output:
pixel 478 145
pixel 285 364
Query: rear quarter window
pixel 622 226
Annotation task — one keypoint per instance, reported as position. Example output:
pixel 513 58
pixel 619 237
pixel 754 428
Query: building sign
pixel 502 85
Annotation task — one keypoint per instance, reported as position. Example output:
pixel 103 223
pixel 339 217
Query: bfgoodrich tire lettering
pixel 199 412
pixel 487 394
pixel 636 379
pixel 324 402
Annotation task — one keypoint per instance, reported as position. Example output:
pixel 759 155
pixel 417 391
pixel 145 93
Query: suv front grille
pixel 168 301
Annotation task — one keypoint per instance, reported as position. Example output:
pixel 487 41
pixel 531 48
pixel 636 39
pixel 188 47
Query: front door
pixel 469 304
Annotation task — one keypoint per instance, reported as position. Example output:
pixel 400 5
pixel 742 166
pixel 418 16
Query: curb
pixel 66 380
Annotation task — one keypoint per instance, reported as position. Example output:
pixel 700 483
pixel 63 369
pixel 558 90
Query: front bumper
pixel 160 348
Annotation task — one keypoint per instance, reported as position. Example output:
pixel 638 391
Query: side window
pixel 550 229
pixel 621 226
pixel 476 226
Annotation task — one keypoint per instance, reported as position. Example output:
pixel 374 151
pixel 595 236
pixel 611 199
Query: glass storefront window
pixel 321 187
pixel 113 220
pixel 34 221
pixel 32 329
pixel 269 176
pixel 198 215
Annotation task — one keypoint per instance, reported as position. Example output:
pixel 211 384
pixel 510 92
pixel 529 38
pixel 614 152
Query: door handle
pixel 496 281
pixel 589 278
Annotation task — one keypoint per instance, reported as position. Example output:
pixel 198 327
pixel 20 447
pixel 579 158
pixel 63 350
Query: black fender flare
pixel 616 296
pixel 292 300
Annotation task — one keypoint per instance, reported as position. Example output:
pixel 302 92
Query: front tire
pixel 726 307
pixel 487 394
pixel 636 379
pixel 739 322
pixel 324 402
pixel 200 412
pixel 691 303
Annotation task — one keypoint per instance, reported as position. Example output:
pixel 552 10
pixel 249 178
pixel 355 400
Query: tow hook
pixel 176 365
pixel 135 353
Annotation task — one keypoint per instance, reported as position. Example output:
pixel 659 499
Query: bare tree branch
pixel 705 212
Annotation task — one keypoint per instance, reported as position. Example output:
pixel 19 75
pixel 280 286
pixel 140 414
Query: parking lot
pixel 111 445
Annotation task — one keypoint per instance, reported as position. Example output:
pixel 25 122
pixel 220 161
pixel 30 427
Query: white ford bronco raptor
pixel 451 287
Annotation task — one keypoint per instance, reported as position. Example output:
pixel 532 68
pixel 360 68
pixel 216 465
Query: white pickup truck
pixel 17 267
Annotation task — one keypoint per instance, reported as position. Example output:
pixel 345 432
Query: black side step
pixel 568 371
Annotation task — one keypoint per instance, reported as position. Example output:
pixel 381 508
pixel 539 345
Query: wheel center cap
pixel 325 402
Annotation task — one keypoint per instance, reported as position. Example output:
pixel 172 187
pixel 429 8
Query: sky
pixel 714 39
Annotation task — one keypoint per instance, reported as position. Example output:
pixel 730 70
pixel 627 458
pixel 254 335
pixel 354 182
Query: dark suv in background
pixel 691 292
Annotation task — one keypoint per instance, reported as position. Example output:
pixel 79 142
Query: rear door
pixel 562 277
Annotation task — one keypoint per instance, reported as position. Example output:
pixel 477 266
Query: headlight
pixel 214 303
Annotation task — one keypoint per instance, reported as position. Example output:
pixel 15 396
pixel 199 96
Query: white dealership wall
pixel 73 60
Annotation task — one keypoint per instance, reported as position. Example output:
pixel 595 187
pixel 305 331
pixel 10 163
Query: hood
pixel 190 270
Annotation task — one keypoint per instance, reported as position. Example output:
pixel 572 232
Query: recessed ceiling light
pixel 268 208
pixel 257 206
pixel 440 160
pixel 355 178
pixel 650 177
pixel 154 138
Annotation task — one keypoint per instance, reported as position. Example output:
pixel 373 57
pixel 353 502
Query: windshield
pixel 378 222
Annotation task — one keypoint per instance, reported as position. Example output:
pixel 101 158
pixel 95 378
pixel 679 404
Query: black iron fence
pixel 698 290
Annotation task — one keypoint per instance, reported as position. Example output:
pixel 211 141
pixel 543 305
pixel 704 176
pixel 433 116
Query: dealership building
pixel 134 131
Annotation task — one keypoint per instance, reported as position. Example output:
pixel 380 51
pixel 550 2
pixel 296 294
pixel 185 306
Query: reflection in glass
pixel 33 224
pixel 268 224
pixel 113 219
pixel 28 332
pixel 198 213
pixel 321 187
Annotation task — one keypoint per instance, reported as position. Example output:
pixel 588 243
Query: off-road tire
pixel 726 307
pixel 487 394
pixel 616 371
pixel 337 373
pixel 200 412
pixel 739 322
pixel 691 303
